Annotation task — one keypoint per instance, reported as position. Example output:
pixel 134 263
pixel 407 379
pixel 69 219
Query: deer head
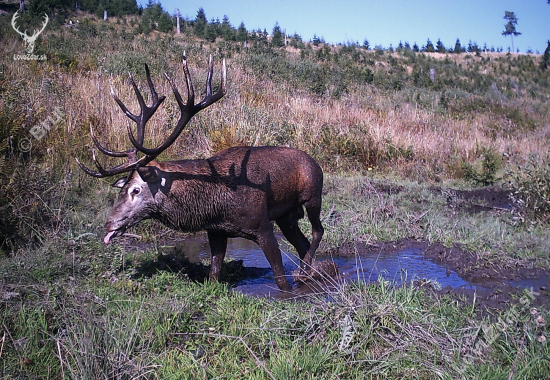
pixel 29 40
pixel 133 194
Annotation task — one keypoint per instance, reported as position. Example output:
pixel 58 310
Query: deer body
pixel 238 192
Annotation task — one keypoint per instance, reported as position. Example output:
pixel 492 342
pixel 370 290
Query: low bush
pixel 530 185
pixel 486 175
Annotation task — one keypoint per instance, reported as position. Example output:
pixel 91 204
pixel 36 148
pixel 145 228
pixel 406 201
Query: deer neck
pixel 196 201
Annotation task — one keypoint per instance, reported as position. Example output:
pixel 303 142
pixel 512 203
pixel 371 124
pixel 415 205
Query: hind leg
pixel 313 208
pixel 268 243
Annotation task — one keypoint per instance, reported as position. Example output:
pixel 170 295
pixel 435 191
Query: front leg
pixel 268 243
pixel 218 247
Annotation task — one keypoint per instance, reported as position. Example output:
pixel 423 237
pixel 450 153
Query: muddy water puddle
pixel 401 265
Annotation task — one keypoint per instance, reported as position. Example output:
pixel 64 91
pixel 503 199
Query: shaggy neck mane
pixel 197 199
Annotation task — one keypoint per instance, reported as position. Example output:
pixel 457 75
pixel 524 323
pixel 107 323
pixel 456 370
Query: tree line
pixel 154 17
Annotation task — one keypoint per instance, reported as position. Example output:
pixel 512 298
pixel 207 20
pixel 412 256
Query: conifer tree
pixel 510 27
pixel 545 63
pixel 200 23
pixel 458 47
pixel 226 30
pixel 440 47
pixel 277 39
pixel 242 34
pixel 429 46
pixel 366 44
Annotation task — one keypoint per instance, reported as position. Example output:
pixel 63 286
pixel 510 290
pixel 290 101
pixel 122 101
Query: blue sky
pixel 385 22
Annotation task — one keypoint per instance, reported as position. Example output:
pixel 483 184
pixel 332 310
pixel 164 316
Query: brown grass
pixel 258 111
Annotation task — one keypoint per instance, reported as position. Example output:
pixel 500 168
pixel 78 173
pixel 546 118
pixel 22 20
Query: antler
pixel 188 110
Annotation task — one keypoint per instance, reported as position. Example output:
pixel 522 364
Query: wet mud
pixel 444 270
pixel 466 274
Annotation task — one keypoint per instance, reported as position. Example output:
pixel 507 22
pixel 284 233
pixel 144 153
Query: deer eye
pixel 135 191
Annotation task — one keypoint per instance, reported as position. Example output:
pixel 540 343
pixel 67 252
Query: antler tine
pixel 105 150
pixel 141 102
pixel 189 109
pixel 102 173
pixel 88 171
pixel 123 107
pixel 188 82
pixel 209 98
pixel 151 86
pixel 209 77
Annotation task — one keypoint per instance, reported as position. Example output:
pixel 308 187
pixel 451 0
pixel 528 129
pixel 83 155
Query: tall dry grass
pixel 407 132
pixel 393 120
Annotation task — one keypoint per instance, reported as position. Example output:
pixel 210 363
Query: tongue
pixel 107 239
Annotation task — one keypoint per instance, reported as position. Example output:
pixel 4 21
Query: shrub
pixel 530 185
pixel 491 163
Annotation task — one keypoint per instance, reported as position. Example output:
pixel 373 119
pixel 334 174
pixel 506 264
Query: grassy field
pixel 403 157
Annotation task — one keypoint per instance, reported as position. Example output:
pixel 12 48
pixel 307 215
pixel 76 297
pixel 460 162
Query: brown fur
pixel 238 192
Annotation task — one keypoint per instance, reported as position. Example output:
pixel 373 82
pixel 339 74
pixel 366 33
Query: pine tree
pixel 200 23
pixel 510 27
pixel 211 31
pixel 296 41
pixel 429 46
pixel 277 39
pixel 458 47
pixel 366 44
pixel 226 30
pixel 155 18
pixel 440 47
pixel 545 63
pixel 242 33
pixel 316 40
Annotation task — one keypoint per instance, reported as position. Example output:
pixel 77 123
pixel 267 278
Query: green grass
pixel 171 328
pixel 367 209
pixel 77 308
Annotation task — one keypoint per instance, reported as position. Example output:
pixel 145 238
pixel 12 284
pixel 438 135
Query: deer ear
pixel 120 182
pixel 149 174
pixel 155 179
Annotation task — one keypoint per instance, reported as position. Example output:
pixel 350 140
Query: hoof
pixel 318 271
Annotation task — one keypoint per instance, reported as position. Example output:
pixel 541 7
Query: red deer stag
pixel 238 192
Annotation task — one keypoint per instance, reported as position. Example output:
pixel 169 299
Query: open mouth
pixel 112 234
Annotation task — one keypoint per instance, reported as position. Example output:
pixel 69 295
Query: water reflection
pixel 402 266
